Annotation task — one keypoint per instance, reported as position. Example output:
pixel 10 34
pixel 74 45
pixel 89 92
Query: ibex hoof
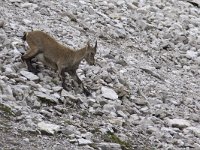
pixel 33 70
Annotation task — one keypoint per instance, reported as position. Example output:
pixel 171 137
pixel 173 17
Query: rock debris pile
pixel 145 86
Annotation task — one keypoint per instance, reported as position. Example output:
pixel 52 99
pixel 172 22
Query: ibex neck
pixel 80 54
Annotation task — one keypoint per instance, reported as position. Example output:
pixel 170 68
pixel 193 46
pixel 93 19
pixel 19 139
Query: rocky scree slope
pixel 145 88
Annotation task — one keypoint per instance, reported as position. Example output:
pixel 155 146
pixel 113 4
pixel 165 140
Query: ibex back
pixel 57 56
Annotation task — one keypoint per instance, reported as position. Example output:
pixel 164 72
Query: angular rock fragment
pixel 13 1
pixel 109 146
pixel 84 141
pixel 191 54
pixel 195 130
pixel 121 114
pixel 29 75
pixel 48 127
pixel 29 5
pixel 178 123
pixel 109 93
pixel 46 98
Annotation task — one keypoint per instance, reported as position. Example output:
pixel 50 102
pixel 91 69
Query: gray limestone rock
pixel 145 107
pixel 29 75
pixel 178 123
pixel 84 141
pixel 109 146
pixel 48 127
pixel 109 93
pixel 46 98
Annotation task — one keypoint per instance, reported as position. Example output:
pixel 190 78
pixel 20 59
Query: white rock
pixel 91 101
pixel 27 5
pixel 70 130
pixel 36 104
pixel 48 127
pixel 29 75
pixel 84 141
pixel 69 95
pixel 121 114
pixel 140 101
pixel 196 146
pixel 142 3
pixel 56 95
pixel 44 90
pixel 26 140
pixel 144 109
pixel 87 135
pixel 8 90
pixel 197 60
pixel 195 130
pixel 135 117
pixel 46 97
pixel 64 93
pixel 26 21
pixel 8 69
pixel 117 121
pixel 131 6
pixel 120 2
pixel 179 123
pixel 108 93
pixel 111 5
pixel 191 54
pixel 143 10
pixel 13 1
pixel 91 110
pixel 82 2
pixel 109 146
pixel 168 130
pixel 109 108
pixel 57 88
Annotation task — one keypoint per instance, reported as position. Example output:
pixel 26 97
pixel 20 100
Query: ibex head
pixel 91 51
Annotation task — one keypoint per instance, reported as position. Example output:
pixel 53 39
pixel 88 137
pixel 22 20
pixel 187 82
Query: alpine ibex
pixel 57 56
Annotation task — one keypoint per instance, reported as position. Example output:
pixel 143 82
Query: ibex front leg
pixel 31 53
pixel 62 77
pixel 76 78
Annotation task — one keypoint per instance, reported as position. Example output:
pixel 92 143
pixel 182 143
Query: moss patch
pixel 6 110
pixel 111 137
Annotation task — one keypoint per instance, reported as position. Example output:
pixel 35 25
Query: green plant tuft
pixel 111 137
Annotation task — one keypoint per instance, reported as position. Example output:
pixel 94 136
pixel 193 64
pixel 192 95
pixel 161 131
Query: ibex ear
pixel 95 47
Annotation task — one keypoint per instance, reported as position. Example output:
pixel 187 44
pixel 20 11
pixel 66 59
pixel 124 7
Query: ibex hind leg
pixel 30 67
pixel 76 78
pixel 28 57
pixel 77 88
pixel 61 73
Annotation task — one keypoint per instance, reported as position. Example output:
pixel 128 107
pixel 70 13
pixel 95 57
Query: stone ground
pixel 145 86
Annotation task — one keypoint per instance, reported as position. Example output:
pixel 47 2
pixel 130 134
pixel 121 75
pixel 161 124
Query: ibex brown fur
pixel 57 56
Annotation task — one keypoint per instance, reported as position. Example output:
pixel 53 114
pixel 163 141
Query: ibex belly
pixel 46 61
